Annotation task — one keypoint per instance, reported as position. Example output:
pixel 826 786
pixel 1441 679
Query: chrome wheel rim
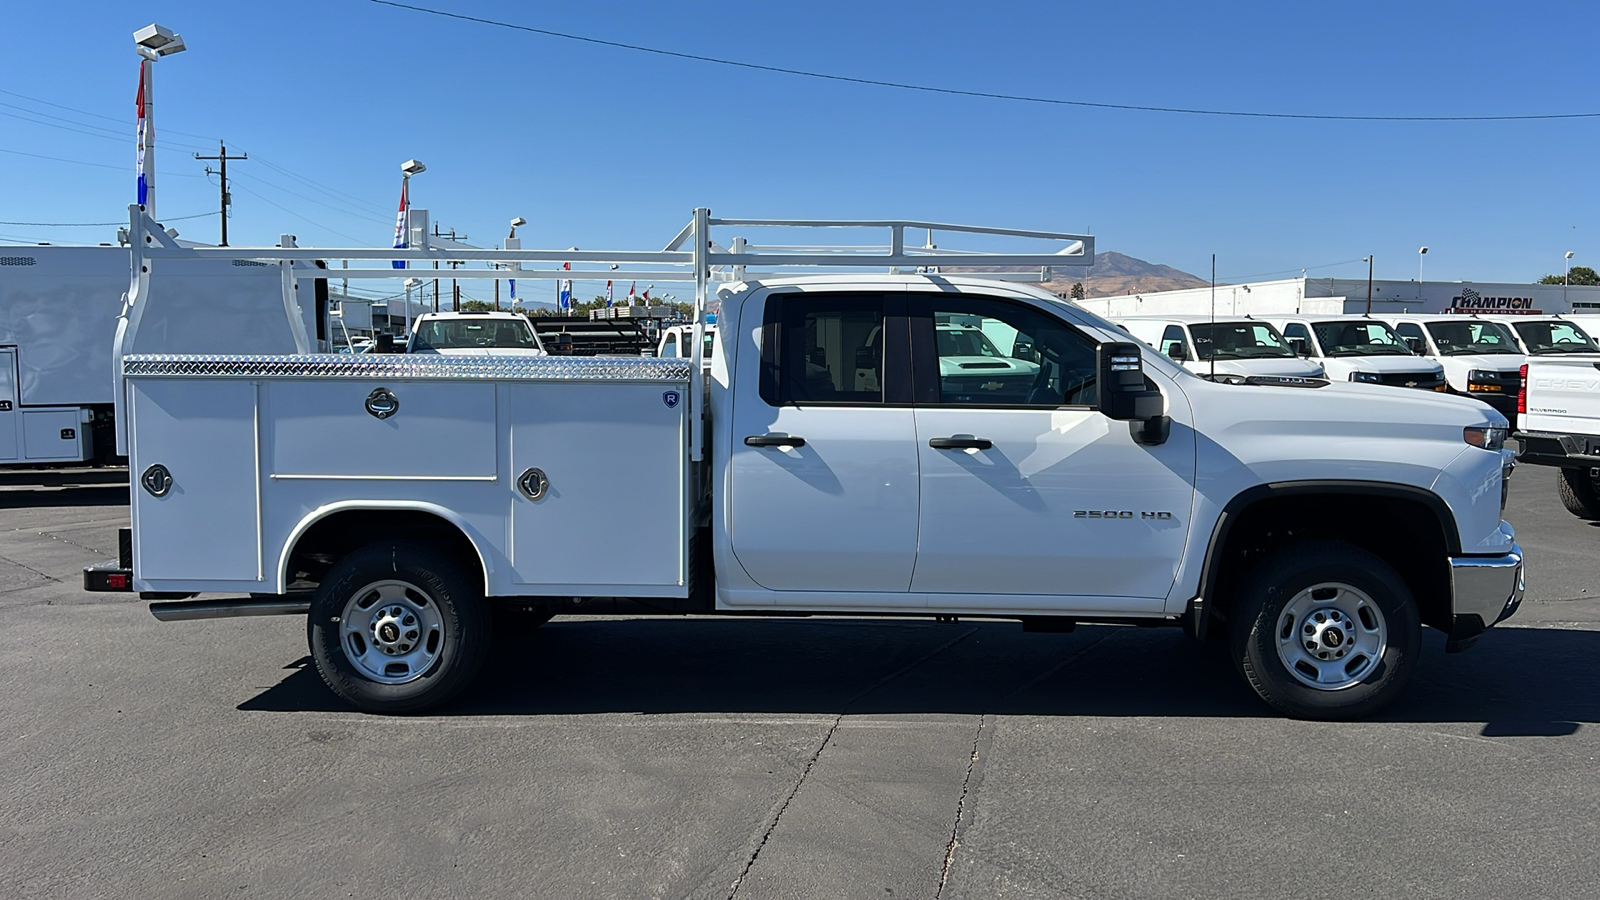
pixel 391 631
pixel 1330 636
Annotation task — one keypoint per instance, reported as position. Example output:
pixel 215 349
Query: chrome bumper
pixel 1488 587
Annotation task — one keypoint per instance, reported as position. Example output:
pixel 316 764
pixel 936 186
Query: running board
pixel 228 608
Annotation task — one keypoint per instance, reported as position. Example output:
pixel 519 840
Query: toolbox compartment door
pixel 204 525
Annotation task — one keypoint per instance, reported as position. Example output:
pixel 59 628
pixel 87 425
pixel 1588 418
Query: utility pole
pixel 1368 261
pixel 225 197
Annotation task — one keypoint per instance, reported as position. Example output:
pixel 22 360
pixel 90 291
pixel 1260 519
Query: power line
pixel 1291 271
pixel 358 241
pixel 125 122
pixel 98 224
pixel 988 95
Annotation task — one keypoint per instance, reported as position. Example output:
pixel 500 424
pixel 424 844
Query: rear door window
pixel 838 349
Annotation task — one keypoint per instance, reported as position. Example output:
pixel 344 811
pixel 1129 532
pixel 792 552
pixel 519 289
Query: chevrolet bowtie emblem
pixel 992 385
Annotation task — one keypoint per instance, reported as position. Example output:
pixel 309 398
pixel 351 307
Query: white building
pixel 1330 296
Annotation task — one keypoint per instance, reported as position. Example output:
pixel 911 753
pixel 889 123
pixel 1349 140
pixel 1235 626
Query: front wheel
pixel 396 627
pixel 1578 494
pixel 1325 630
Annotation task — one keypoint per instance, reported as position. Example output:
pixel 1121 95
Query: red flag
pixel 647 293
pixel 566 265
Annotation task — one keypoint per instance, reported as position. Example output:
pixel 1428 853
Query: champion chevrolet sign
pixel 1470 301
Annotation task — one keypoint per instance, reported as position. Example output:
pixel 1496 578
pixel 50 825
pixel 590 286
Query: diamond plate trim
pixel 369 366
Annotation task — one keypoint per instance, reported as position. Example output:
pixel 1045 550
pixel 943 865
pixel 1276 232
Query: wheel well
pixel 334 536
pixel 1402 531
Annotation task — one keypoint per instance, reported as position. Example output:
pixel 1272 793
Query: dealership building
pixel 1332 296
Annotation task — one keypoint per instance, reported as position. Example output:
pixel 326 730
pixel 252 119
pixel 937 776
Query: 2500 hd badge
pixel 1118 514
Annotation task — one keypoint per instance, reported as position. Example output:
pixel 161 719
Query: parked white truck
pixel 1229 347
pixel 1558 424
pixel 1481 357
pixel 1359 349
pixel 827 464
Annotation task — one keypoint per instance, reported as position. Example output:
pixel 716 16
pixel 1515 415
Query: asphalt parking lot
pixel 776 759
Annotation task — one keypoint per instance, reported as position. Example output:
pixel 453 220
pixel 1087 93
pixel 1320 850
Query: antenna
pixel 1213 317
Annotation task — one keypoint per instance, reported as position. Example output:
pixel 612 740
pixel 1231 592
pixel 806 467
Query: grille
pixel 1423 380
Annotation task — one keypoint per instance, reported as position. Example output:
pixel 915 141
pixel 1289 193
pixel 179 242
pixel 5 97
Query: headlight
pixel 1366 377
pixel 1489 437
pixel 1479 375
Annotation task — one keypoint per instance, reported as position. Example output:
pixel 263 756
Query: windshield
pixel 1476 337
pixel 457 334
pixel 965 342
pixel 1555 337
pixel 1364 338
pixel 1238 340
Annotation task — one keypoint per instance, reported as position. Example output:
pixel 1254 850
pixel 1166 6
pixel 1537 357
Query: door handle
pixel 774 440
pixel 960 443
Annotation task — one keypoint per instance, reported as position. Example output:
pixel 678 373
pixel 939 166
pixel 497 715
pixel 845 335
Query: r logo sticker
pixel 670 398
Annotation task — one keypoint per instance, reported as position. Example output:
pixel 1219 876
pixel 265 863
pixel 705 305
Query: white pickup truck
pixel 1227 348
pixel 1311 529
pixel 1558 424
pixel 1481 357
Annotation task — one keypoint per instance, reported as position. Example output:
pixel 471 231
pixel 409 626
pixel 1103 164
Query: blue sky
pixel 605 148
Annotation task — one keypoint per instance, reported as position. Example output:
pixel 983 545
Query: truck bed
pixel 237 457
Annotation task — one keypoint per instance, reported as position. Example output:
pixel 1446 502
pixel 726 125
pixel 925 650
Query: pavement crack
pixel 961 808
pixel 43 575
pixel 772 826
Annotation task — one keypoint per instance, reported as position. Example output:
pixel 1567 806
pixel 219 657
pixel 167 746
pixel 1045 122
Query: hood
pixel 1495 362
pixel 976 366
pixel 487 351
pixel 1389 365
pixel 1292 366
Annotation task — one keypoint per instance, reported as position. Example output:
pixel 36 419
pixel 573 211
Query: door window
pixel 1173 345
pixel 1411 333
pixel 990 352
pixel 833 349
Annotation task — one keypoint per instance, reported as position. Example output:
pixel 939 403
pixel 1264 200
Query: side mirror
pixel 1023 350
pixel 1126 396
pixel 866 358
pixel 1176 353
pixel 1299 346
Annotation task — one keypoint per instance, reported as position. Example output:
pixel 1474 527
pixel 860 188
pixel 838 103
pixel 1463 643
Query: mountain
pixel 1116 273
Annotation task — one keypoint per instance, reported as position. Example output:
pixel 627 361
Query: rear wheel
pixel 1578 493
pixel 1325 630
pixel 396 627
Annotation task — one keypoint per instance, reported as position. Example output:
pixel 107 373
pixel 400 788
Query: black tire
pixel 1578 494
pixel 1276 602
pixel 433 654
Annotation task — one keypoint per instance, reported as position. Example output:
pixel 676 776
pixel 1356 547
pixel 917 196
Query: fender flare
pixel 1198 613
pixel 322 512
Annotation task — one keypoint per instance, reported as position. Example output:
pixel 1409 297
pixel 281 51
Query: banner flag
pixel 400 236
pixel 144 137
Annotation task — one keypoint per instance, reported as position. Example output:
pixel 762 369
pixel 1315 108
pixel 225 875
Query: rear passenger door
pixel 823 491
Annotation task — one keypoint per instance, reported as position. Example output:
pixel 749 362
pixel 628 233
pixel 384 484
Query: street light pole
pixel 1566 278
pixel 153 42
pixel 1421 252
pixel 1368 261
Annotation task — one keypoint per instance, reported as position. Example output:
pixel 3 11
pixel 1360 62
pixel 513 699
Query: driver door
pixel 1031 498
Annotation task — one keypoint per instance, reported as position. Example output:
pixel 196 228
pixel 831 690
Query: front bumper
pixel 1484 590
pixel 1546 448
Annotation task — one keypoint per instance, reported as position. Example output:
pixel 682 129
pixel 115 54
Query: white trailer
pixel 827 463
pixel 59 309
